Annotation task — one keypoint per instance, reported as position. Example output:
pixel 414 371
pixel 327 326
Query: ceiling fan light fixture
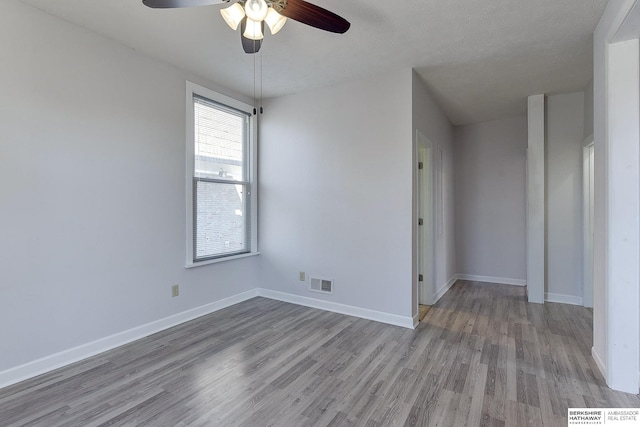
pixel 256 10
pixel 274 20
pixel 253 30
pixel 233 15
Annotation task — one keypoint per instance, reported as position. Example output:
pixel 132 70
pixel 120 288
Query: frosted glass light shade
pixel 233 15
pixel 253 31
pixel 274 20
pixel 256 10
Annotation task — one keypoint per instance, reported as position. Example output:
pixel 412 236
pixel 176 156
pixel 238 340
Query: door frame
pixel 425 264
pixel 587 220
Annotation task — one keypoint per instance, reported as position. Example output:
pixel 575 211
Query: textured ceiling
pixel 480 58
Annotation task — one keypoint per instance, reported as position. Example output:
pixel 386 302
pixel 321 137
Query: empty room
pixel 291 213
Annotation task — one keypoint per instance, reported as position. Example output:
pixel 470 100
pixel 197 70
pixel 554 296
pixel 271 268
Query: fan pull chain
pixel 255 110
pixel 261 84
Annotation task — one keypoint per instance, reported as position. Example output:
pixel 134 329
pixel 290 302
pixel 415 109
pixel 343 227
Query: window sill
pixel 217 260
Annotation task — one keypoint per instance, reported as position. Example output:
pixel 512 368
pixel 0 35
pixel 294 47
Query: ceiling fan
pixel 251 15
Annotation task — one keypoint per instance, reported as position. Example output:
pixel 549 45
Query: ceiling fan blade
pixel 165 4
pixel 249 46
pixel 310 14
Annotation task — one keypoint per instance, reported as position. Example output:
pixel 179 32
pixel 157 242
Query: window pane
pixel 220 219
pixel 220 141
pixel 220 175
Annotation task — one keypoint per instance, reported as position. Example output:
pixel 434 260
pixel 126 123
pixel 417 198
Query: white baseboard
pixel 364 313
pixel 416 320
pixel 599 362
pixel 72 355
pixel 603 370
pixel 563 299
pixel 443 289
pixel 488 279
pixel 67 357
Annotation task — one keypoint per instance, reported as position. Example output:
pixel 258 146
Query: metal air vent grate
pixel 318 284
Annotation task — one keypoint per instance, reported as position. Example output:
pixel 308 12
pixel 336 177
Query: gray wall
pixel 430 120
pixel 92 190
pixel 490 197
pixel 336 192
pixel 490 167
pixel 565 133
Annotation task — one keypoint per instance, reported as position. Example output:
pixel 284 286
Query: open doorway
pixel 587 221
pixel 425 225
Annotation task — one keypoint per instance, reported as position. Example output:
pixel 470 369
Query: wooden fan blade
pixel 249 46
pixel 315 16
pixel 166 4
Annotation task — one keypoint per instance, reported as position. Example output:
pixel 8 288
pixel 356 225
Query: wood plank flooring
pixel 422 311
pixel 481 357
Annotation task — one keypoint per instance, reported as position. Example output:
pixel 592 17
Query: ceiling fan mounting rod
pixel 278 5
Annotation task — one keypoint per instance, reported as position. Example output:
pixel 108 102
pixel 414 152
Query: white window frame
pixel 194 89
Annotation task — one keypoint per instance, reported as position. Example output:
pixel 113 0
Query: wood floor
pixel 482 356
pixel 422 311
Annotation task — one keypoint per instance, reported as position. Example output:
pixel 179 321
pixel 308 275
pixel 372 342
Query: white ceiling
pixel 480 58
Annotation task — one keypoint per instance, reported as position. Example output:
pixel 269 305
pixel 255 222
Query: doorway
pixel 425 224
pixel 587 221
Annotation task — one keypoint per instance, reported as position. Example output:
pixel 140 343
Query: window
pixel 221 196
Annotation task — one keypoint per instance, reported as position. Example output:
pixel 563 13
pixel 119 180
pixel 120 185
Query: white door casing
pixel 587 220
pixel 426 287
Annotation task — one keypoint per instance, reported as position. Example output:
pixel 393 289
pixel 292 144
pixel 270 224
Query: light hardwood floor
pixel 423 310
pixel 482 356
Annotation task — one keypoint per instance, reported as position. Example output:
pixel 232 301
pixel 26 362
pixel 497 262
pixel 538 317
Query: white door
pixel 425 230
pixel 587 223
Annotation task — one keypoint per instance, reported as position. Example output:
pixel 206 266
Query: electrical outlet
pixel 175 290
pixel 302 276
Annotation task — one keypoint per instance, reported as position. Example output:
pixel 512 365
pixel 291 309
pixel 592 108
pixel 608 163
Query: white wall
pixel 490 169
pixel 92 191
pixel 336 193
pixel 613 15
pixel 563 151
pixel 623 278
pixel 431 121
pixel 536 210
pixel 615 311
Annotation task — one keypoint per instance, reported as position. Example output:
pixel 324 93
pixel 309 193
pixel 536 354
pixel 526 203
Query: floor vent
pixel 318 284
